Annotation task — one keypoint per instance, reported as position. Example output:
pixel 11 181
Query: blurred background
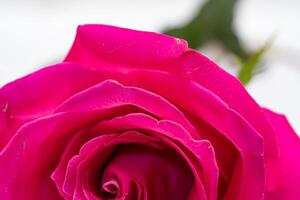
pixel 257 41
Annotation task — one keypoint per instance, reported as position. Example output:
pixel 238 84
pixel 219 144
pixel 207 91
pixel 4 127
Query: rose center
pixel 147 172
pixel 111 188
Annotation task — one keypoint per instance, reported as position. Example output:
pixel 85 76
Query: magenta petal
pixel 38 94
pixel 24 159
pixel 231 91
pixel 114 94
pixel 69 183
pixel 71 149
pixel 284 177
pixel 101 45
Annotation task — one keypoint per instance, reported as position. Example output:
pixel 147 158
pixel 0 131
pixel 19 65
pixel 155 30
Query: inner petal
pixel 111 188
pixel 162 173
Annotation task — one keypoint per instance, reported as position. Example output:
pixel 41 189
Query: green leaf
pixel 250 66
pixel 212 22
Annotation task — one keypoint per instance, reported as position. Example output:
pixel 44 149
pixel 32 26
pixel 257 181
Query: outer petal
pixel 205 72
pixel 111 47
pixel 38 94
pixel 285 175
pixel 23 159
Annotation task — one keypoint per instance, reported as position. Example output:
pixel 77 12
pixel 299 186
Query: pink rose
pixel 139 115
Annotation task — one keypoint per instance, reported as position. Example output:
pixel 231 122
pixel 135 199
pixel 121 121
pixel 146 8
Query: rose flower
pixel 138 115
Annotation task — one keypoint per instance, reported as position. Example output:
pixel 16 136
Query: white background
pixel 36 33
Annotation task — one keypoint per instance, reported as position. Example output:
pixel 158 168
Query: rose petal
pixel 112 47
pixel 284 178
pixel 71 149
pixel 114 94
pixel 28 98
pixel 231 91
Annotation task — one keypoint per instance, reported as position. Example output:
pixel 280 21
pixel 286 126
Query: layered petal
pixel 209 75
pixel 38 95
pixel 284 177
pixel 161 96
pixel 110 93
